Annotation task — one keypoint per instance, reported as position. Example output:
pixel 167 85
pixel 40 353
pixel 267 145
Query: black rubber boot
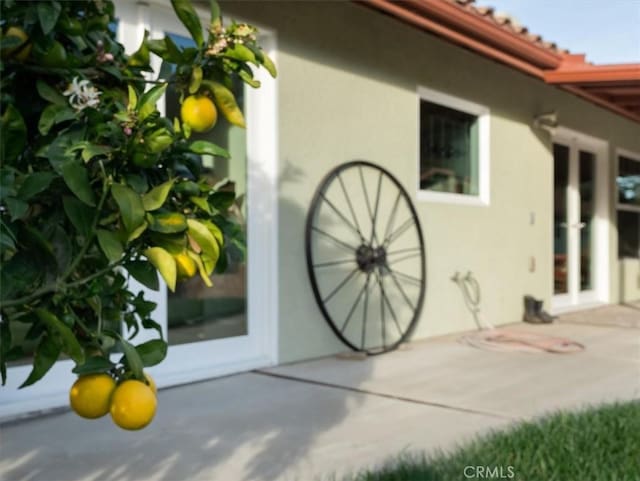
pixel 543 316
pixel 530 310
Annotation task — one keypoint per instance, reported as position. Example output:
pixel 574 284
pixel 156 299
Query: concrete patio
pixel 308 420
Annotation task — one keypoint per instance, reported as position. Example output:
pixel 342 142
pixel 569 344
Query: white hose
pixel 504 340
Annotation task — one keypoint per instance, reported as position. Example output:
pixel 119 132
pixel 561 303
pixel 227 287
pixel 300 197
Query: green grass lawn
pixel 596 444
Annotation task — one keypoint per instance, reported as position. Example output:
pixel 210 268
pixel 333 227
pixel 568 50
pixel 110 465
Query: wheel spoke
pixel 404 294
pixel 401 251
pixel 346 196
pixel 341 285
pixel 392 217
pixel 366 197
pixel 382 316
pixel 364 312
pixel 352 310
pixel 336 240
pixel 393 313
pixel 408 256
pixel 399 231
pixel 341 215
pixel 374 220
pixel 334 263
pixel 406 277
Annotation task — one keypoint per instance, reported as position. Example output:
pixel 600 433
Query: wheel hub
pixel 369 257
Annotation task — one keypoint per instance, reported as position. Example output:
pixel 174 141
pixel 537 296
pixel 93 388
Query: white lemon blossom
pixel 82 94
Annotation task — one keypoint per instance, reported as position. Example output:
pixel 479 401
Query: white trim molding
pixel 483 114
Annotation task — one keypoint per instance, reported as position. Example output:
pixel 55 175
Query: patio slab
pixel 311 419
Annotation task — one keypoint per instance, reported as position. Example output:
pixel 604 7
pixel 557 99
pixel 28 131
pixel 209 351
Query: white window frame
pixel 619 152
pixel 483 114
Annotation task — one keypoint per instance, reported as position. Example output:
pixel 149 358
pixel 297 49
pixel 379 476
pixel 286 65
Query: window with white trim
pixel 628 187
pixel 454 147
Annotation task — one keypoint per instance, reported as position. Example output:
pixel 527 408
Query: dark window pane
pixel 448 150
pixel 628 181
pixel 628 234
pixel 587 218
pixel 560 245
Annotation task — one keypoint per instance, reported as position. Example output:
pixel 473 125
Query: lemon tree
pixel 97 188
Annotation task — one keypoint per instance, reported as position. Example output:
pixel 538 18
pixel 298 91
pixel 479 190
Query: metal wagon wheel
pixel 366 257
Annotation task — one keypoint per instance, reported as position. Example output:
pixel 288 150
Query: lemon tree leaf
pixel 141 57
pixel 168 223
pixel 148 100
pixel 130 205
pixel 215 230
pixel 137 232
pixel 94 365
pixel 226 102
pixel 133 96
pixel 203 147
pixel 34 184
pixel 50 94
pixel 78 213
pixel 45 356
pixel 152 352
pixel 110 244
pixel 165 263
pixel 144 273
pixel 13 134
pixel 189 18
pixel 77 179
pixel 205 239
pixel 132 357
pixel 56 327
pixel 154 199
pixel 93 150
pixel 201 269
pixel 53 114
pixel 215 14
pixel 48 13
pixel 202 203
pixel 196 79
pixel 269 65
pixel 240 52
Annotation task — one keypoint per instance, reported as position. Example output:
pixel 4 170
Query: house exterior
pixel 530 204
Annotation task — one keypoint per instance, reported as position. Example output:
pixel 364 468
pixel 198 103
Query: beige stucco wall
pixel 347 90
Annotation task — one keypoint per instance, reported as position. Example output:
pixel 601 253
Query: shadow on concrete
pixel 251 425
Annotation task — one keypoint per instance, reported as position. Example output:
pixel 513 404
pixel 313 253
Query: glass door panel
pixel 195 312
pixel 560 219
pixel 587 165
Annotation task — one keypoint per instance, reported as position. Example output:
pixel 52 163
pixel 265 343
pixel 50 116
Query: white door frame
pixel 190 362
pixel 576 299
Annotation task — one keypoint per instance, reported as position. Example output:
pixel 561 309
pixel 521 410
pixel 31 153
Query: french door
pixel 580 246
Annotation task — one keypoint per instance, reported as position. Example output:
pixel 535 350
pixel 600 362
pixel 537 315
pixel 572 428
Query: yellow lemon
pixel 133 405
pixel 199 112
pixel 90 395
pixel 151 383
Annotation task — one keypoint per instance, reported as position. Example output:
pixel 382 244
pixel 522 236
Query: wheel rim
pixel 366 257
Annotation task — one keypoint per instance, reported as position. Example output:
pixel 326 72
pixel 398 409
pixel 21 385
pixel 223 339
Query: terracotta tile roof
pixel 508 23
pixel 501 38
